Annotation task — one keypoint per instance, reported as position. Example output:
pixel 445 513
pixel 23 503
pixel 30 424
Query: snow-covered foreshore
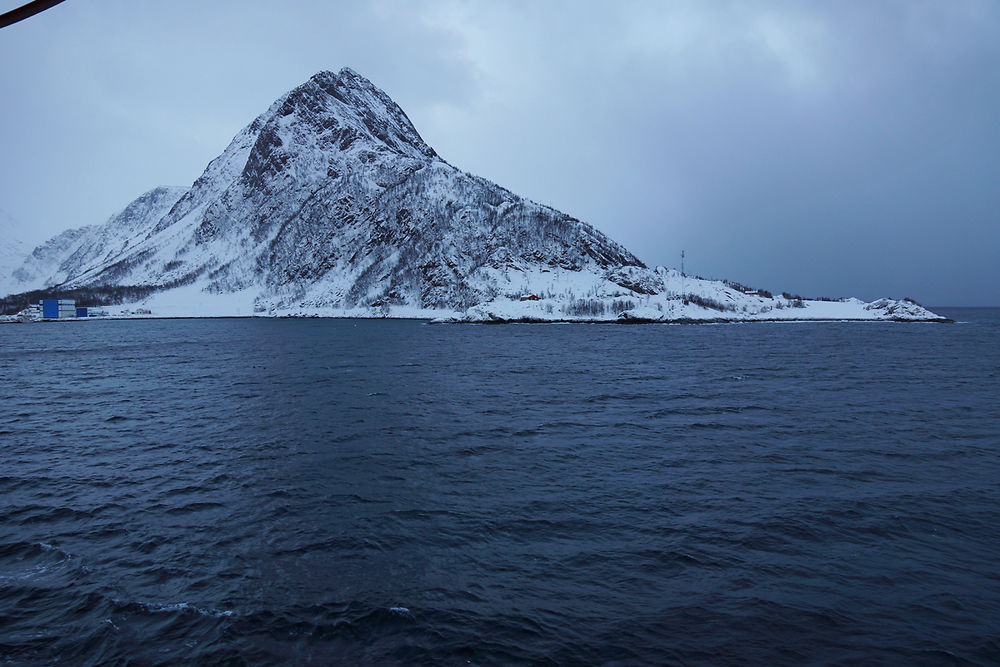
pixel 852 310
pixel 636 296
pixel 679 310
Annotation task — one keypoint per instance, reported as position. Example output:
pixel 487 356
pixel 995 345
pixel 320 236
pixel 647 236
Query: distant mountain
pixel 331 203
pixel 72 253
pixel 13 251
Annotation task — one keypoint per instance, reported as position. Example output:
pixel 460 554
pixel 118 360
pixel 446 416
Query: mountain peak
pixel 327 77
pixel 347 72
pixel 344 73
pixel 347 101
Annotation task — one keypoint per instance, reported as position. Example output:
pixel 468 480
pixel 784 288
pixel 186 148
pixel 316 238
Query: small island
pixel 330 204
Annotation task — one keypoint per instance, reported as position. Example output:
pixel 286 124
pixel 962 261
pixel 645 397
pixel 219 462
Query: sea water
pixel 393 492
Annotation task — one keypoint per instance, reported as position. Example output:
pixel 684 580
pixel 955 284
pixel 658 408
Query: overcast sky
pixel 824 148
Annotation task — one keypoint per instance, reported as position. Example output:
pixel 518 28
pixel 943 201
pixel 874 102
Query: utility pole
pixel 683 297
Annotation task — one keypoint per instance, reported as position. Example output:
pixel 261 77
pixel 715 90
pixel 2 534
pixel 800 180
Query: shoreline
pixel 521 320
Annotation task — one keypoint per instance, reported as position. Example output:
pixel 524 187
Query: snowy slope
pixel 330 203
pixel 72 253
pixel 13 251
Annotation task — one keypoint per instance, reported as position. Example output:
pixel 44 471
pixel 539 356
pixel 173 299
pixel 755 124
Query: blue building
pixel 58 308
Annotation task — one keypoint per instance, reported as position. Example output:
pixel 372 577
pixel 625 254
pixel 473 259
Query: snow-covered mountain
pixel 330 203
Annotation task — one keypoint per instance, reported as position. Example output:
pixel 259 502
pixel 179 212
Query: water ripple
pixel 242 491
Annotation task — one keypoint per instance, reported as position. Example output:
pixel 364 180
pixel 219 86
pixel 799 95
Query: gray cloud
pixel 823 148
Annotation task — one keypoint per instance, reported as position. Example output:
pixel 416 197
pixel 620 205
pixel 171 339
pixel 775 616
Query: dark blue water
pixel 379 492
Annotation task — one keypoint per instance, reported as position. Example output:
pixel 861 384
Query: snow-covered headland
pixel 669 296
pixel 330 204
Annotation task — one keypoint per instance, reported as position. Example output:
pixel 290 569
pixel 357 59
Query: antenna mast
pixel 683 297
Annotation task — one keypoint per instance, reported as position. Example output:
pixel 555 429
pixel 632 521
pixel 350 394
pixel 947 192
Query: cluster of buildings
pixel 56 309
